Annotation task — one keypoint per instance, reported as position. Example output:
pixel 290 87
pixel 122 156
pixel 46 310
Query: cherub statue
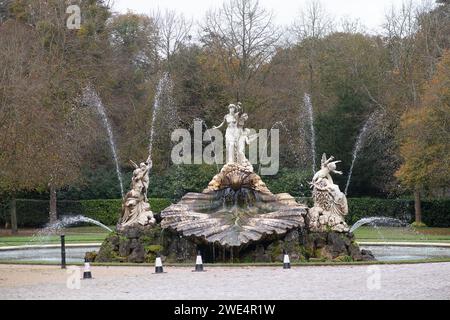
pixel 140 179
pixel 135 208
pixel 327 166
pixel 245 138
pixel 330 204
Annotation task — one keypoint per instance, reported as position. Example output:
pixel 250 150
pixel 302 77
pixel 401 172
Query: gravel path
pixel 418 281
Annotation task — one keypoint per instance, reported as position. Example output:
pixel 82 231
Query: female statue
pixel 232 133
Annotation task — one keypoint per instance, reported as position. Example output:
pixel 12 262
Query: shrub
pixel 372 207
pixel 108 211
pixel 435 213
pixel 105 211
pixel 34 213
pixel 293 181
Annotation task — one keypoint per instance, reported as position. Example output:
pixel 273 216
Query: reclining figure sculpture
pixel 330 204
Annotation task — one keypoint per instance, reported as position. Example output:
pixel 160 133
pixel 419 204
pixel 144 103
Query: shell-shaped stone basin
pixel 233 217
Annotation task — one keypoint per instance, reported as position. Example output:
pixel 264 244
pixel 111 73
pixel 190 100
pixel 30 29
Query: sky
pixel 369 12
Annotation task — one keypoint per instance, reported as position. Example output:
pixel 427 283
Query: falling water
pixel 164 89
pixel 309 107
pixel 377 221
pixel 55 228
pixel 91 97
pixel 359 143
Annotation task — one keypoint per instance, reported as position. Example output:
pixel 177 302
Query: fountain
pixel 163 96
pixel 376 221
pixel 40 248
pixel 278 125
pixel 90 97
pixel 67 221
pixel 58 226
pixel 358 145
pixel 309 107
pixel 236 214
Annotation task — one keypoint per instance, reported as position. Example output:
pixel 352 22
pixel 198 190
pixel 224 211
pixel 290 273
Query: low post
pixel 63 251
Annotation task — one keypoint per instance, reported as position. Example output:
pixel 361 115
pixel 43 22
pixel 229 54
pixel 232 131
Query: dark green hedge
pixel 371 207
pixel 34 213
pixel 435 213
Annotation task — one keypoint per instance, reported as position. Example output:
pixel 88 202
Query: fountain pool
pixel 49 253
pixel 408 252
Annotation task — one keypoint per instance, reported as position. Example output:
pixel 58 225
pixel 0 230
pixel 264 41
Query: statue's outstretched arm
pixel 329 160
pixel 220 126
pixel 134 164
pixel 250 139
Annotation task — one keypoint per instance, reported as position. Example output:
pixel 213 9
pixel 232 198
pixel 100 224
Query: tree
pixel 4 10
pixel 426 137
pixel 314 22
pixel 174 31
pixel 44 130
pixel 243 34
pixel 134 39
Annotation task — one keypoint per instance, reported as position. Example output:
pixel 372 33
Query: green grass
pixel 73 235
pixel 94 234
pixel 403 234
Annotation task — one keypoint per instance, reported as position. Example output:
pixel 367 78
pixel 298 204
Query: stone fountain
pixel 236 218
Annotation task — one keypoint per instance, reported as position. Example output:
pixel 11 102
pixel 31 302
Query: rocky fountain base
pixel 142 244
pixel 237 219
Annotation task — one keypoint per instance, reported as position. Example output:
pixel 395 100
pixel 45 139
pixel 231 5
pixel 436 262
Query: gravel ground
pixel 417 281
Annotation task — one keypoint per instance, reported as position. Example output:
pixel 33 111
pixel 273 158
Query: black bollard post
pixel 63 252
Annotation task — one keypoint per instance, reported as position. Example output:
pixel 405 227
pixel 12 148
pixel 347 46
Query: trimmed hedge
pixel 435 213
pixel 371 207
pixel 34 213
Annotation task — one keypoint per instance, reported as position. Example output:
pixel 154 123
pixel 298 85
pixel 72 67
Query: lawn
pixel 402 234
pixel 91 234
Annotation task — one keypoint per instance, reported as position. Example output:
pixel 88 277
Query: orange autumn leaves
pixel 426 134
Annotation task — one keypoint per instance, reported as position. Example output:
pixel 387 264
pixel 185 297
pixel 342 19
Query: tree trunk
pixel 13 214
pixel 53 213
pixel 417 206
